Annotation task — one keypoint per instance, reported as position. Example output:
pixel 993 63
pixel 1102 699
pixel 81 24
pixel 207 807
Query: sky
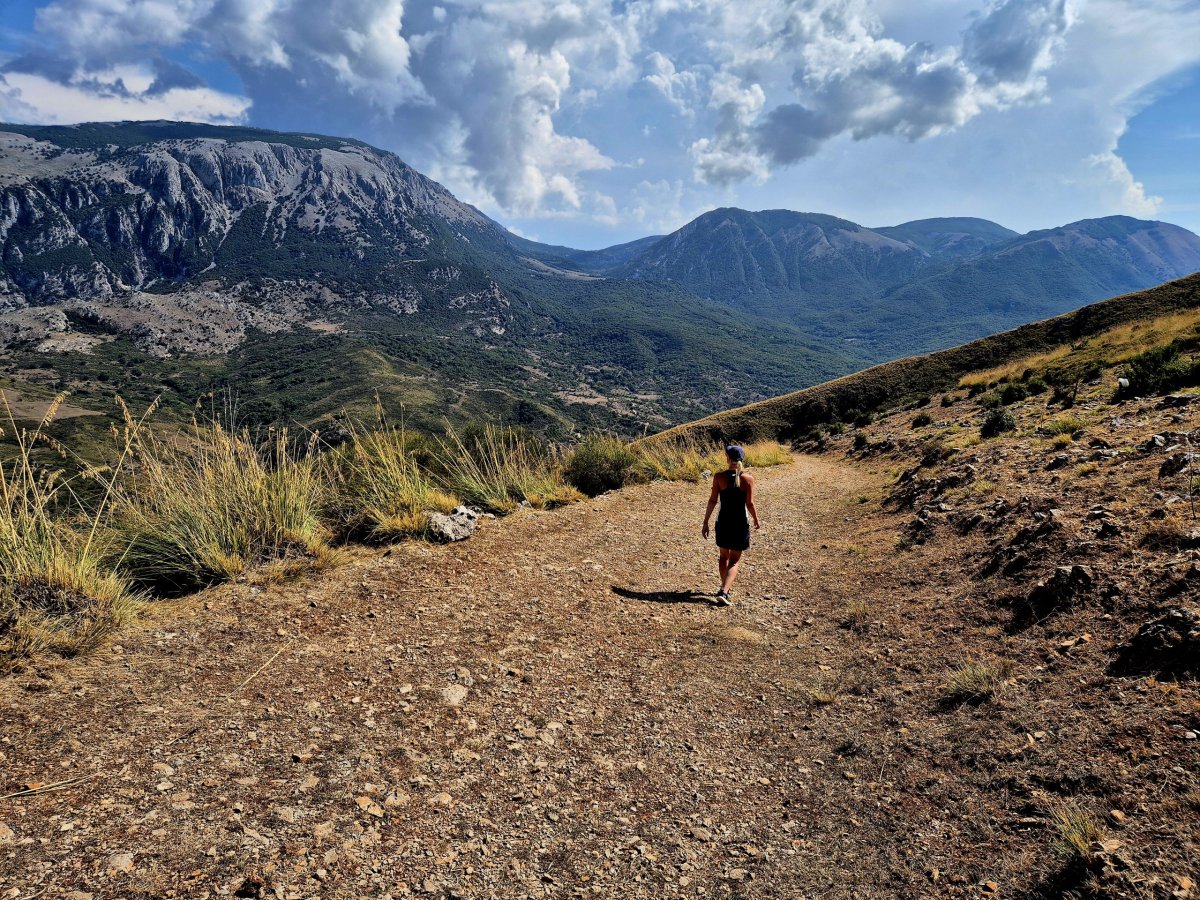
pixel 593 122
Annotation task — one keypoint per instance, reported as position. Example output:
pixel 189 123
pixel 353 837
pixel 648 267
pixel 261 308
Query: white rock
pixel 454 695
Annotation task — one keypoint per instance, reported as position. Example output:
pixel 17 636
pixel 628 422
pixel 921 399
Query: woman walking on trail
pixel 735 491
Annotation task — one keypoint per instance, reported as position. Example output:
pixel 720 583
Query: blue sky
pixel 592 122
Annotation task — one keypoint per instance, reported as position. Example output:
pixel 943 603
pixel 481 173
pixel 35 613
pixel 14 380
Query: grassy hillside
pixel 883 387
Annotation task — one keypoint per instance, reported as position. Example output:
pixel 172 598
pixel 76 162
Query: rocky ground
pixel 554 709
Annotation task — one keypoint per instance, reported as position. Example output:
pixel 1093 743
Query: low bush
pixel 921 420
pixel 1160 371
pixel 997 422
pixel 1013 392
pixel 601 463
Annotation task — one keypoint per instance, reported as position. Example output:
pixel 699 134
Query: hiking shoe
pixel 722 598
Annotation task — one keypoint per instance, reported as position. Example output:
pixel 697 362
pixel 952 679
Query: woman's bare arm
pixel 748 487
pixel 713 496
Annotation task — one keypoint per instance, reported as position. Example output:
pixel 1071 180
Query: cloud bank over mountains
pixel 542 109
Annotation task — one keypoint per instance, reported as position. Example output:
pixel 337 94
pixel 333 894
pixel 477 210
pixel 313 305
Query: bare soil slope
pixel 548 710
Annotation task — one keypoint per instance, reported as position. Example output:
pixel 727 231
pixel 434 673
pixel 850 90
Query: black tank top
pixel 733 499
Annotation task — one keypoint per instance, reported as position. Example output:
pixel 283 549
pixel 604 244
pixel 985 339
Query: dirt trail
pixel 539 711
pixel 549 710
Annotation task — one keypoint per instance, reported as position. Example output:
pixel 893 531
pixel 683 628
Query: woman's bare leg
pixel 730 565
pixel 723 565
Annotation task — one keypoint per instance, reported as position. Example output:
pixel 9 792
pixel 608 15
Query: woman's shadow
pixel 662 596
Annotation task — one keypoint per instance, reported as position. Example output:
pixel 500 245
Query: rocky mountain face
pixel 347 224
pixel 177 240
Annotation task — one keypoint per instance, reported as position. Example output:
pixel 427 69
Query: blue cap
pixel 733 451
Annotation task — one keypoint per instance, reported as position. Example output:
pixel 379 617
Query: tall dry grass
pixel 1110 347
pixel 497 469
pixel 603 462
pixel 209 503
pixel 381 491
pixel 56 593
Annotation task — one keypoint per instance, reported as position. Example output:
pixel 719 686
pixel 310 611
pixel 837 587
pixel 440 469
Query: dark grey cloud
pixel 169 75
pixel 1011 42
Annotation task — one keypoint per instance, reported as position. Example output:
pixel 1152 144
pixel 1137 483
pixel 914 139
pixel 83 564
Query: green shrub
pixel 1036 386
pixel 601 463
pixel 1160 371
pixel 997 422
pixel 921 420
pixel 1013 392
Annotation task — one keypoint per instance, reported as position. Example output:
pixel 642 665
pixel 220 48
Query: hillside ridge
pixel 888 385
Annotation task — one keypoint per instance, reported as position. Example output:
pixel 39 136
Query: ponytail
pixel 738 468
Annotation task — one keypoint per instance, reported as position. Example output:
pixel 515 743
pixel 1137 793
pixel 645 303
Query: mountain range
pixel 903 289
pixel 311 273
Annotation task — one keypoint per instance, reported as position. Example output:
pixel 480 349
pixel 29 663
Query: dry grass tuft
pixel 762 454
pixel 975 682
pixel 211 504
pixel 685 461
pixel 1061 426
pixel 498 469
pixel 856 615
pixel 381 493
pixel 1078 830
pixel 55 592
